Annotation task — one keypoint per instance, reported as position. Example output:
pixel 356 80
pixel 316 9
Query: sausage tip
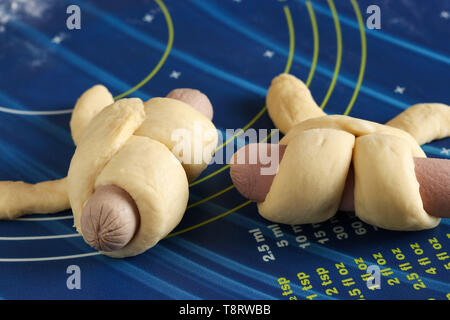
pixel 195 99
pixel 109 219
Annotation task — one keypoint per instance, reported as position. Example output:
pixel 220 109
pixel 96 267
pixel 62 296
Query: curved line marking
pixel 363 57
pixel 74 256
pixel 288 66
pixel 316 42
pixel 155 70
pixel 60 236
pixel 45 219
pixel 209 176
pixel 209 220
pixel 290 24
pixel 163 58
pixel 338 56
pixel 210 197
pixel 35 113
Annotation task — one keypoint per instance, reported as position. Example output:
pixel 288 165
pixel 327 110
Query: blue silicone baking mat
pixel 229 49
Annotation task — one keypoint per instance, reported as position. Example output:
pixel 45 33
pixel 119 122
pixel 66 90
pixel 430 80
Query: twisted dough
pixel 130 145
pixel 130 148
pixel 311 176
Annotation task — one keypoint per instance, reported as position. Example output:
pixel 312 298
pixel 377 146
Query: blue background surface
pixel 230 50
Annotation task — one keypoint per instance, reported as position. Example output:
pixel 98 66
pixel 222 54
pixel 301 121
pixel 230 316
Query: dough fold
pixel 156 181
pixel 386 189
pixel 132 146
pixel 103 137
pixel 190 136
pixel 311 178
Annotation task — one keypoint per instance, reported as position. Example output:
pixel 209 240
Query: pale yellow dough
pixel 197 135
pixel 132 146
pixel 104 136
pixel 88 105
pixel 320 149
pixel 386 189
pixel 290 102
pixel 310 181
pixel 425 122
pixel 18 198
pixel 156 181
pixel 129 145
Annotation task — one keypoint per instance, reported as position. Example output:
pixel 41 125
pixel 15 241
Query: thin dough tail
pixel 425 122
pixel 18 198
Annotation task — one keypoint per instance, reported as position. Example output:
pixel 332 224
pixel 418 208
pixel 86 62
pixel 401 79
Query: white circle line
pixel 72 235
pixel 35 113
pixel 75 256
pixel 45 219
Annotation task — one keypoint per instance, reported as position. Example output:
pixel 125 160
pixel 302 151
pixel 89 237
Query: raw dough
pixel 18 198
pixel 386 188
pixel 109 153
pixel 310 180
pixel 88 105
pixel 425 122
pixel 290 102
pixel 104 136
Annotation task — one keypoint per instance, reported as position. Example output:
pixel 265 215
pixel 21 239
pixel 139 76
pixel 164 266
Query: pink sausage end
pixel 195 99
pixel 109 219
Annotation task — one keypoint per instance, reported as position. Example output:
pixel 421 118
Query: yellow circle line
pixel 290 24
pixel 136 87
pixel 316 42
pixel 241 131
pixel 264 109
pixel 288 67
pixel 164 56
pixel 337 67
pixel 363 56
pixel 209 176
pixel 209 220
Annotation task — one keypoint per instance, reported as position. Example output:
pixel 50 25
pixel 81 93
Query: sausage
pixel 433 176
